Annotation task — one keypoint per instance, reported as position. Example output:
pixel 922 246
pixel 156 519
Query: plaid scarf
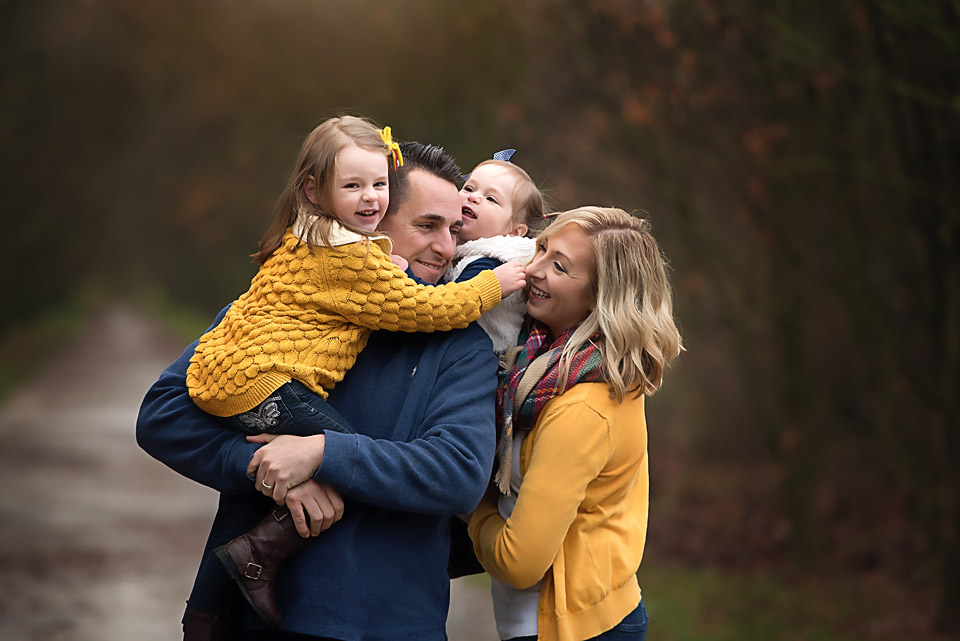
pixel 586 366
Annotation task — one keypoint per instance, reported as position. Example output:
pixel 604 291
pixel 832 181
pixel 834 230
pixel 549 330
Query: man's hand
pixel 284 461
pixel 314 507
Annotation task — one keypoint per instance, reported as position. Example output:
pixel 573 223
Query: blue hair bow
pixel 504 155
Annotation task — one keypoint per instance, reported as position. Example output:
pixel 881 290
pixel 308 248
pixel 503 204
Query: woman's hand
pixel 284 462
pixel 314 507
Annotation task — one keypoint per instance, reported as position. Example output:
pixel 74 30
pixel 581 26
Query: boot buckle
pixel 280 514
pixel 253 571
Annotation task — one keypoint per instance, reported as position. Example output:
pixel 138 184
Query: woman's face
pixel 559 279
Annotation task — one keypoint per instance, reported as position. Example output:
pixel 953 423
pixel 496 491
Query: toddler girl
pixel 501 205
pixel 326 280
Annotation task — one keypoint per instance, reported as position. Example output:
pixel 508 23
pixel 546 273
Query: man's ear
pixel 310 190
pixel 518 230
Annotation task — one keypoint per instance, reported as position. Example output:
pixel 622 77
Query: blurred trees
pixel 808 160
pixel 799 165
pixel 155 137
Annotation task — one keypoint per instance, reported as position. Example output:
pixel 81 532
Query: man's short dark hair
pixel 429 158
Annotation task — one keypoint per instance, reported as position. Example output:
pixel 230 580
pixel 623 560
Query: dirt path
pixel 97 540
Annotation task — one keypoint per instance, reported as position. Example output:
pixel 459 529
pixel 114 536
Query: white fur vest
pixel 502 323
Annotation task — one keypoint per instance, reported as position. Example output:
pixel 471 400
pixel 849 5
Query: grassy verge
pixel 184 323
pixel 688 604
pixel 26 347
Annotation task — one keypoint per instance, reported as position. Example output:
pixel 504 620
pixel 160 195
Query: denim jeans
pixel 632 628
pixel 292 409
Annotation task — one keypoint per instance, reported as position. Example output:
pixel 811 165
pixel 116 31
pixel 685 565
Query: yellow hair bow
pixel 394 148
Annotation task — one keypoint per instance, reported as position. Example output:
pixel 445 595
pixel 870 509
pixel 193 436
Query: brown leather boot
pixel 252 560
pixel 202 626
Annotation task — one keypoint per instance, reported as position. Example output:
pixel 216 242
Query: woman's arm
pixel 571 446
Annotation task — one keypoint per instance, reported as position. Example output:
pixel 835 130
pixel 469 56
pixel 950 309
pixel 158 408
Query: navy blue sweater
pixel 423 409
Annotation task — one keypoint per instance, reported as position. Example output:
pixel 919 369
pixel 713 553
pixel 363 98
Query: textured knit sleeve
pixel 372 292
pixel 571 446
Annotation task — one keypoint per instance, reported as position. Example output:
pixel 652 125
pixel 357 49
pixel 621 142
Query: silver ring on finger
pixel 265 486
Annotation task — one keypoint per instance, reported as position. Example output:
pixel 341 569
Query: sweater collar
pixel 339 235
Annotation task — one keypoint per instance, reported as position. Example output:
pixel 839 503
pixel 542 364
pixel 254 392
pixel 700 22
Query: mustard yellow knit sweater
pixel 580 522
pixel 308 313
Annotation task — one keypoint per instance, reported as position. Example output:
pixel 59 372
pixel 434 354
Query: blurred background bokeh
pixel 798 161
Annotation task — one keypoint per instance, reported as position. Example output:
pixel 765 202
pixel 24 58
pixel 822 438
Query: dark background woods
pixel 799 165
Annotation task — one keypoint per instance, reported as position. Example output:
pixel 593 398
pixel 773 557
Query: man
pixel 422 406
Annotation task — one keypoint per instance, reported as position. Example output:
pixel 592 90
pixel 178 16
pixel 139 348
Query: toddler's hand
pixel 399 261
pixel 511 277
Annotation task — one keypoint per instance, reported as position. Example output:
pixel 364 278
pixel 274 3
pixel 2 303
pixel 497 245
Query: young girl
pixel 326 280
pixel 563 537
pixel 501 205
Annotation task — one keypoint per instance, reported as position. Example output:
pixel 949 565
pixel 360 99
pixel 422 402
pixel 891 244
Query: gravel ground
pixel 97 540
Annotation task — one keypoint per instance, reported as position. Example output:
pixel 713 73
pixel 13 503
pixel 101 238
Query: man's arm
pixel 446 469
pixel 173 430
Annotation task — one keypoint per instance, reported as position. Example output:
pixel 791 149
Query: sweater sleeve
pixel 571 445
pixel 369 290
pixel 445 469
pixel 172 429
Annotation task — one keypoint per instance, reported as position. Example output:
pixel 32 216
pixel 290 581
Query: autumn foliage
pixel 799 164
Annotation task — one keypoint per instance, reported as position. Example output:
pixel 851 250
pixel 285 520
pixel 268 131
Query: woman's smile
pixel 536 292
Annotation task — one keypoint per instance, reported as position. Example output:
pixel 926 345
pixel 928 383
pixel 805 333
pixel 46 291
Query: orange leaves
pixel 760 139
pixel 650 15
pixel 634 111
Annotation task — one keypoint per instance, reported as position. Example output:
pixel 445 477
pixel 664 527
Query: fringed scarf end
pixel 502 483
pixel 504 457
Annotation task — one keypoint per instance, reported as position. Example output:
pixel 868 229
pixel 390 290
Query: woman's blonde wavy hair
pixel 634 301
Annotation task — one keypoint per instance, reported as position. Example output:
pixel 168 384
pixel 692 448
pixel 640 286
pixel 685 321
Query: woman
pixel 563 546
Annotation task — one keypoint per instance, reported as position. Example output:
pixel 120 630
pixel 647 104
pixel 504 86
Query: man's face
pixel 425 226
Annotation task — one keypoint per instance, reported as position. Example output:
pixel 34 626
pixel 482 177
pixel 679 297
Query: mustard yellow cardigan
pixel 580 521
pixel 308 314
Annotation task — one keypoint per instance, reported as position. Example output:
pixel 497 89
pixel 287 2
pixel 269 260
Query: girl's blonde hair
pixel 634 301
pixel 529 205
pixel 318 160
